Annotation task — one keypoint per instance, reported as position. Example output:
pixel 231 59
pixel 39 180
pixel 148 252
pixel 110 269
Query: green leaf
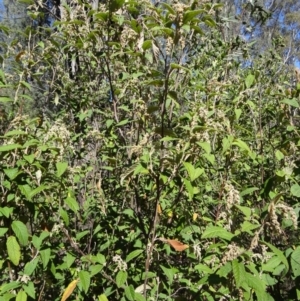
pixel 14 133
pixel 36 191
pixel 201 268
pixel 177 66
pixel 102 298
pixel 21 232
pixel 13 250
pixel 72 203
pixel 189 188
pixel 280 254
pixel 5 99
pixel 279 155
pixel 8 147
pixel 29 158
pixel 139 297
pixel 64 215
pixel 194 173
pixel 249 80
pixel 95 269
pixel 295 262
pixel 12 173
pixel 238 113
pixel 227 142
pixel 245 210
pixel 45 256
pixel 271 264
pixel 9 286
pixel 291 102
pixel 123 122
pixel 133 254
pixel 147 44
pixel 205 146
pixel 114 5
pixel 25 190
pixel 21 296
pixel 29 289
pixel 3 231
pixel 30 266
pixel 248 227
pixel 248 191
pixel 100 258
pixel 169 273
pixel 241 144
pixel 61 167
pixel 82 234
pixel 6 211
pixel 295 190
pixel 129 293
pixel 69 259
pixel 121 278
pixel 190 15
pixel 239 272
pixel 85 280
pixel 217 232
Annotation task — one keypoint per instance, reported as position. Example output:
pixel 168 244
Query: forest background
pixel 149 150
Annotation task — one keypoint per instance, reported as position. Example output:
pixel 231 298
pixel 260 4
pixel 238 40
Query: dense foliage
pixel 165 165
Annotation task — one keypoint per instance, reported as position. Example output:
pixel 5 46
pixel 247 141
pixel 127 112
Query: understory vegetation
pixel 143 156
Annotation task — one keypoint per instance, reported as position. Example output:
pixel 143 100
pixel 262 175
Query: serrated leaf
pixel 61 167
pixel 248 227
pixel 72 203
pixel 245 210
pixel 205 146
pixel 133 254
pixel 139 296
pixel 85 280
pixel 248 191
pixel 102 298
pixel 21 232
pixel 295 190
pixel 29 289
pixel 249 80
pixel 25 190
pixel 217 232
pixel 238 113
pixel 13 250
pixel 241 144
pixel 45 256
pixel 130 293
pixel 189 188
pixel 121 278
pixel 9 286
pixel 291 102
pixel 280 254
pixel 14 133
pixel 21 296
pixel 147 44
pixel 95 269
pixel 64 215
pixel 279 155
pixel 203 269
pixel 177 66
pixel 36 191
pixel 30 266
pixel 254 283
pixel 295 262
pixel 8 147
pixel 169 273
pixel 239 272
pixel 100 258
pixel 3 231
pixel 11 173
pixel 190 15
